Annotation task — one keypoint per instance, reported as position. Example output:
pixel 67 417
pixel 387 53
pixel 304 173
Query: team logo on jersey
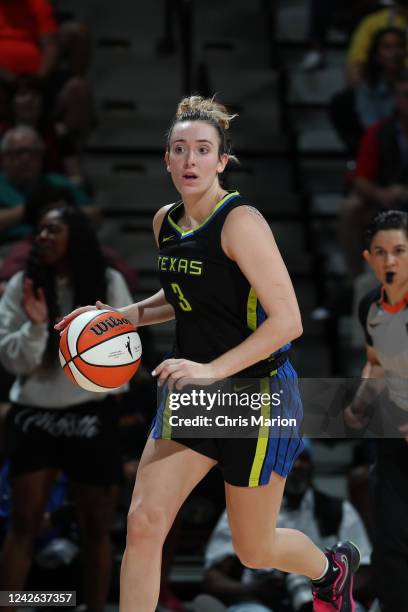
pixel 180 265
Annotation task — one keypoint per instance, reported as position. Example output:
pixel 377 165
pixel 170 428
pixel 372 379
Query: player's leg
pixel 166 475
pixel 252 514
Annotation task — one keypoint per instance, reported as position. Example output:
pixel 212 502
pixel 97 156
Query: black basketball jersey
pixel 216 308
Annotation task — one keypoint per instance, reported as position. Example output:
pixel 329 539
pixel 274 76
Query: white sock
pixel 324 573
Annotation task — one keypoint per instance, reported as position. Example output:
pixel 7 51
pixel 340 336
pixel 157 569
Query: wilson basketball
pixel 100 350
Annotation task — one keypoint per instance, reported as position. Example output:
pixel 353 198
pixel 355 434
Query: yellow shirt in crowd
pixel 363 36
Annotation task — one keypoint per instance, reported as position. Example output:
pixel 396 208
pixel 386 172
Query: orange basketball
pixel 100 350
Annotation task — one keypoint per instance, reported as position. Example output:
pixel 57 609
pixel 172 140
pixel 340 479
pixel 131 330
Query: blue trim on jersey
pixel 188 234
pixel 260 318
pixel 282 451
pixel 260 313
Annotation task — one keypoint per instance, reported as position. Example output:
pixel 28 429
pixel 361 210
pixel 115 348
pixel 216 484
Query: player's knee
pixel 255 556
pixel 146 524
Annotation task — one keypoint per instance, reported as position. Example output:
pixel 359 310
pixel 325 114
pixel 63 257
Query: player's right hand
pixel 61 325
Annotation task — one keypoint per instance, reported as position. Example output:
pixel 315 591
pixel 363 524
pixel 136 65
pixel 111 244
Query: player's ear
pixel 166 161
pixel 223 161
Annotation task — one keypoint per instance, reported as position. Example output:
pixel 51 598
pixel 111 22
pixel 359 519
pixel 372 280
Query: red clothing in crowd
pixel 22 24
pixel 369 155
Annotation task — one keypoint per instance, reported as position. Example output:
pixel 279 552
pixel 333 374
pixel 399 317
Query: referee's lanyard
pixel 402 141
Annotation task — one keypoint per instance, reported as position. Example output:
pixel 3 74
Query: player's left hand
pixel 180 372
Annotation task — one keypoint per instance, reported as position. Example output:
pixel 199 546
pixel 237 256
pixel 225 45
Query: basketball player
pixel 384 317
pixel 226 285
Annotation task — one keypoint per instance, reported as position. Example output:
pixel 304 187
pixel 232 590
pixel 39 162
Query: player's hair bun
pixel 197 105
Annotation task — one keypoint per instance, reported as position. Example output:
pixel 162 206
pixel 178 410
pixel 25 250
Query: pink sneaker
pixel 339 595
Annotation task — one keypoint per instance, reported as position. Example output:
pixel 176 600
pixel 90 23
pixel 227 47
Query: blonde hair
pixel 197 108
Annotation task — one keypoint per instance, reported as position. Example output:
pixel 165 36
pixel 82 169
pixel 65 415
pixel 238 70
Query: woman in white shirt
pixel 54 425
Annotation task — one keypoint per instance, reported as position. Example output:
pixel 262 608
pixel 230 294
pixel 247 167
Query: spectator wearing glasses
pixel 22 159
pixel 29 107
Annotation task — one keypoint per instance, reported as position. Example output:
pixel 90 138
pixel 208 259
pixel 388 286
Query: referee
pixel 384 317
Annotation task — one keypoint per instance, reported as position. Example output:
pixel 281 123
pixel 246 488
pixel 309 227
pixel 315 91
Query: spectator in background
pixel 351 110
pixel 394 16
pixel 23 153
pixel 29 44
pixel 385 62
pixel 28 38
pixel 42 199
pixel 29 108
pixel 53 424
pixel 325 519
pixel 381 177
pixel 321 16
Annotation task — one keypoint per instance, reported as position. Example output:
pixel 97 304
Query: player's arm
pixel 368 391
pixel 154 309
pixel 248 240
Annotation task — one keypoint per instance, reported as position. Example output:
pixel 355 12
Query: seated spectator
pixel 28 108
pixel 321 15
pixel 325 519
pixel 54 425
pixel 375 93
pixel 353 110
pixel 393 16
pixel 23 152
pixel 28 41
pixel 29 44
pixel 43 198
pixel 381 177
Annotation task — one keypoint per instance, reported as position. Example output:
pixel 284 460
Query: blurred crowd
pixel 370 111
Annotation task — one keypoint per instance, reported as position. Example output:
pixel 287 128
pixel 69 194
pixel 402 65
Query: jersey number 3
pixel 184 303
